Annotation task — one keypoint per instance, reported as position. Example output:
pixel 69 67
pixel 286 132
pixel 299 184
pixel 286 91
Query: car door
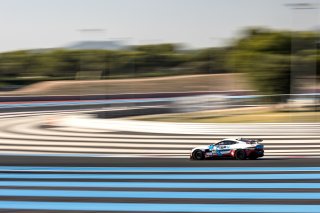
pixel 224 147
pixel 219 148
pixel 227 147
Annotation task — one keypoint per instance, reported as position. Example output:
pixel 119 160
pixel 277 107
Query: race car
pixel 240 149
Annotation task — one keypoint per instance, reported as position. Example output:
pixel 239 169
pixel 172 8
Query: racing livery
pixel 240 149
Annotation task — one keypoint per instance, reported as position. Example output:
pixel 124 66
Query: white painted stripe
pixel 32 127
pixel 97 150
pixel 139 145
pixel 133 140
pixel 127 151
pixel 176 128
pixel 91 144
pixel 131 155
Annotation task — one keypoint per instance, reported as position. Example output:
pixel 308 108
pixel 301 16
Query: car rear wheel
pixel 198 155
pixel 240 154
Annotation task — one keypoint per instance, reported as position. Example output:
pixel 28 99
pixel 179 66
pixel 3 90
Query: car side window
pixel 232 142
pixel 220 143
pixel 225 143
pixel 229 142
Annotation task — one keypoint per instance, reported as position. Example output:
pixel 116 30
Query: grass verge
pixel 246 115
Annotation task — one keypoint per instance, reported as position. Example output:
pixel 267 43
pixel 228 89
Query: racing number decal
pixel 222 150
pixel 218 150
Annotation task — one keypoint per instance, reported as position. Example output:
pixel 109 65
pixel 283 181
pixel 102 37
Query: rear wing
pixel 251 140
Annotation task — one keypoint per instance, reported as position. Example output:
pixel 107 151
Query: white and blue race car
pixel 240 149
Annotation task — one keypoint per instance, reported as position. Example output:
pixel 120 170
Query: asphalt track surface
pixel 86 184
pixel 9 160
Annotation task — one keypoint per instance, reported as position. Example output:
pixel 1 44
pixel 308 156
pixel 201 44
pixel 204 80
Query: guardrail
pixel 117 96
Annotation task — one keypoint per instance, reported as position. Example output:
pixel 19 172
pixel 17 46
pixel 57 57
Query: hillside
pixel 187 83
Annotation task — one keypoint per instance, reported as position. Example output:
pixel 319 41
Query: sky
pixel 33 24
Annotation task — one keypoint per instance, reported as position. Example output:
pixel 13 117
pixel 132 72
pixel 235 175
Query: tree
pixel 267 56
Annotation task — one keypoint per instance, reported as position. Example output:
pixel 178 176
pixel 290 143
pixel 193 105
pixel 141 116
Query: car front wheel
pixel 198 155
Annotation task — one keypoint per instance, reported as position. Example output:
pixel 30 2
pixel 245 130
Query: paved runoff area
pixel 40 134
pixel 214 186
